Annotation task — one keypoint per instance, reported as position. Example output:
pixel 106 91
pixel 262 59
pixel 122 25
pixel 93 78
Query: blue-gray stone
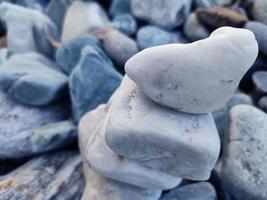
pixel 118 46
pixel 194 30
pixel 92 82
pixel 260 30
pixel 56 10
pixel 119 7
pixel 195 191
pixel 32 82
pixel 262 103
pixel 53 136
pixel 27 29
pixel 149 36
pixel 69 54
pixel 259 80
pixel 19 121
pixel 126 23
pixel 167 14
pixel 221 116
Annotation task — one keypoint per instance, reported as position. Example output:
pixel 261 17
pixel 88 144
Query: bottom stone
pixel 99 188
pixel 108 164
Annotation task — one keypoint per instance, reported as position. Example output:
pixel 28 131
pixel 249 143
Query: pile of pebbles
pixel 148 134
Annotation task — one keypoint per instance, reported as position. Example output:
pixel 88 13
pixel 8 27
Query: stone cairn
pixel 157 128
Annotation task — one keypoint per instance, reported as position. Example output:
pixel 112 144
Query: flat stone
pixel 180 144
pixel 194 191
pixel 194 30
pixel 169 77
pixel 50 177
pixel 220 16
pixel 118 46
pixel 15 140
pixel 259 30
pixel 100 188
pixel 168 14
pixel 126 23
pixel 53 136
pixel 83 17
pixel 69 54
pixel 120 7
pixel 97 153
pixel 258 11
pixel 32 82
pixel 221 116
pixel 92 82
pixel 34 25
pixel 243 167
pixel 149 36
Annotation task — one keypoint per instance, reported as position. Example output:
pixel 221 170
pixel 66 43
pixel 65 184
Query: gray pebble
pixel 27 29
pixel 221 116
pixel 32 82
pixel 260 30
pixel 53 136
pixel 194 30
pixel 126 23
pixel 18 122
pixel 92 82
pixel 168 14
pixel 149 36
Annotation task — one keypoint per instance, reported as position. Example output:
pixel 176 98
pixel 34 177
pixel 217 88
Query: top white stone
pixel 198 77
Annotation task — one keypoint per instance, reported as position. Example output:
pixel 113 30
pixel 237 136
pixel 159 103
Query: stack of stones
pixel 157 128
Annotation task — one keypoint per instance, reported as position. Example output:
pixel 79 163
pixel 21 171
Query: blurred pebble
pixel 260 31
pixel 35 4
pixel 92 82
pixel 118 46
pixel 210 3
pixel 194 191
pixel 194 30
pixel 219 16
pixel 262 103
pixel 61 7
pixel 53 136
pixel 168 14
pixel 68 55
pixel 149 36
pixel 259 11
pixel 221 116
pixel 259 80
pixel 32 82
pixel 15 139
pixel 34 25
pixel 126 23
pixel 260 64
pixel 120 7
pixel 82 17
